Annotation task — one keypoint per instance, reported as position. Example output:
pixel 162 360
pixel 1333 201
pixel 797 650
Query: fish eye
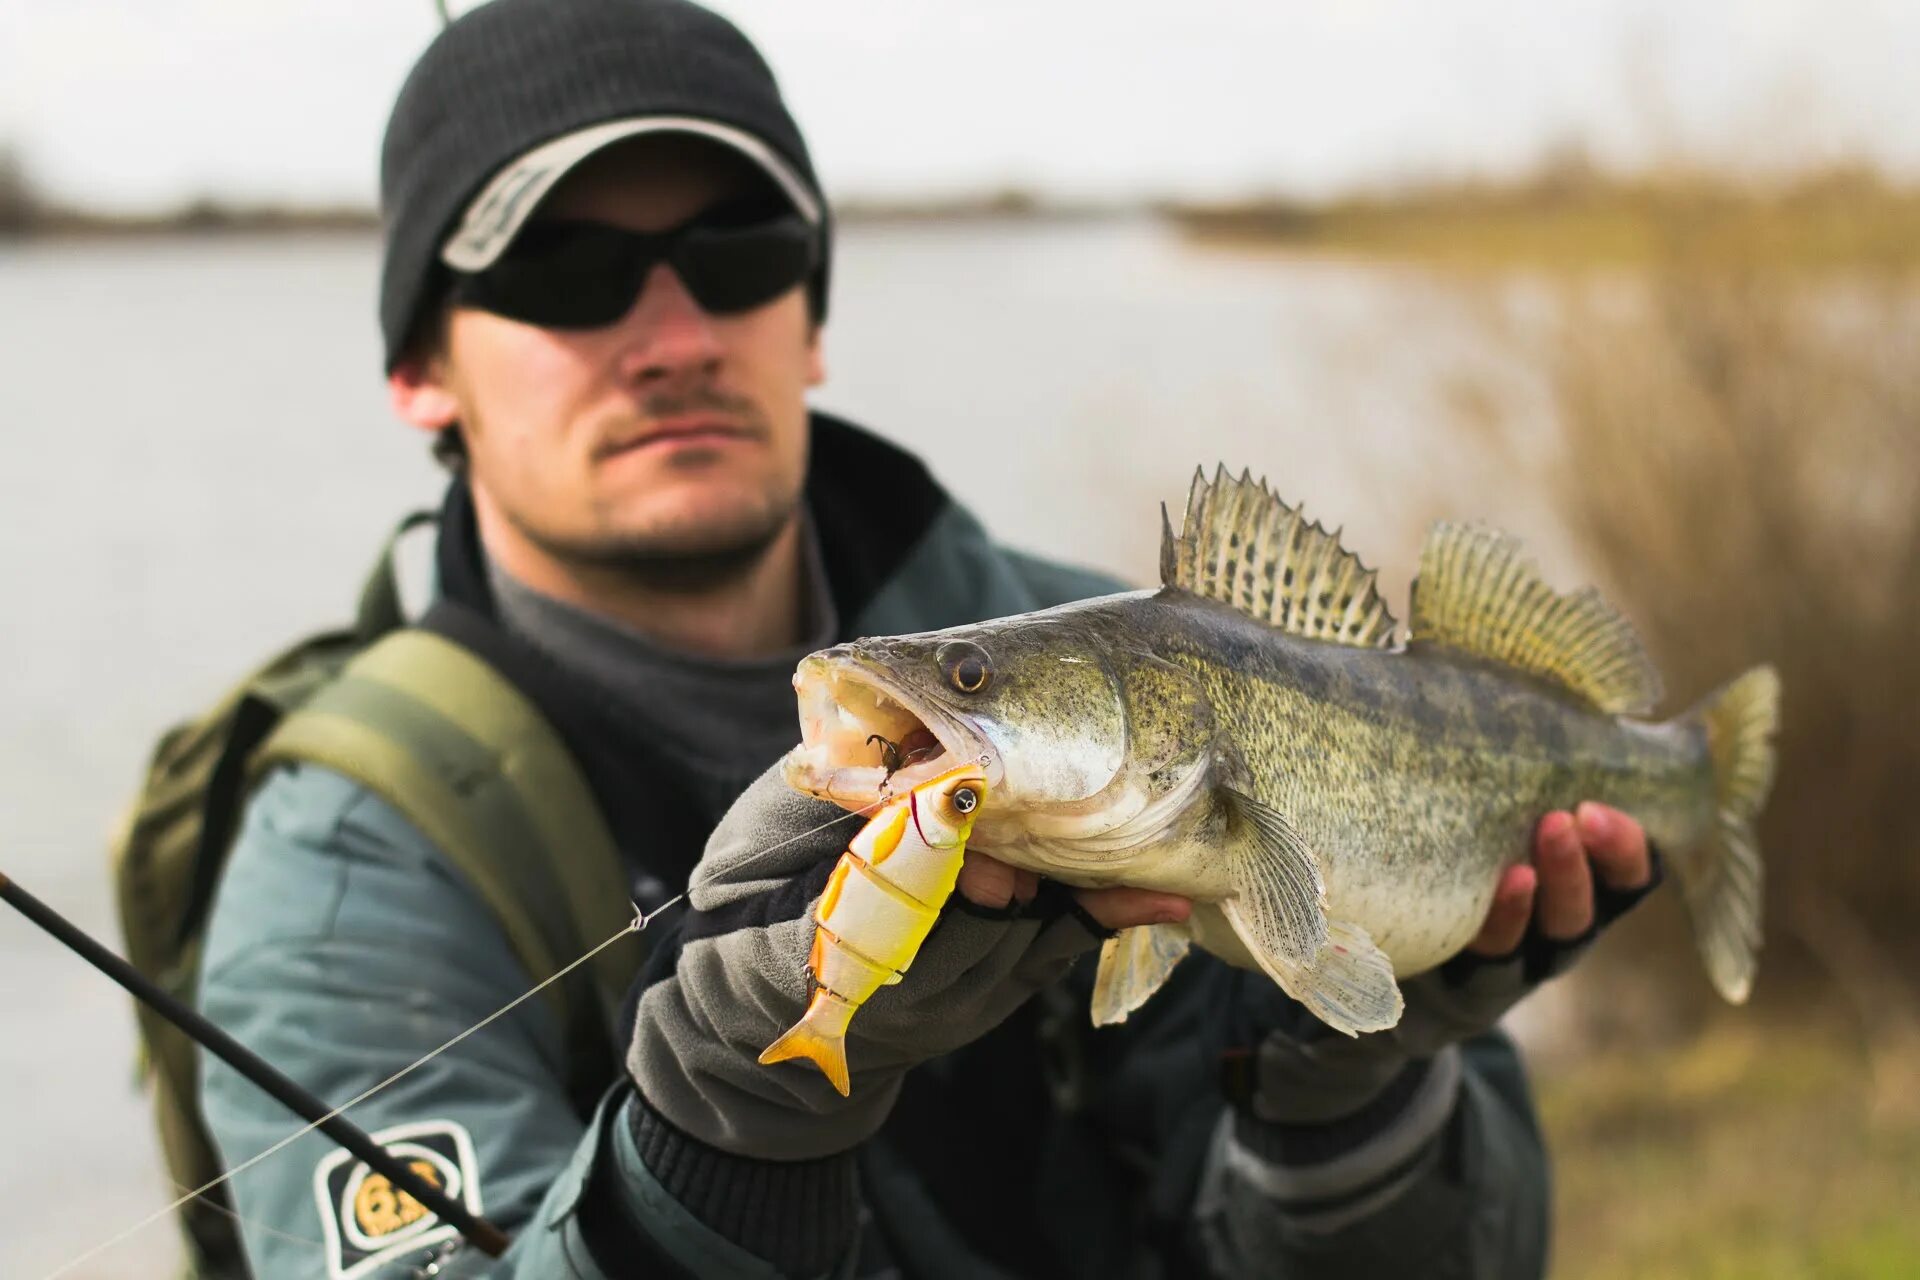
pixel 966 666
pixel 964 800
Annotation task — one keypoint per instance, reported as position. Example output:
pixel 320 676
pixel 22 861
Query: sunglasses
pixel 586 275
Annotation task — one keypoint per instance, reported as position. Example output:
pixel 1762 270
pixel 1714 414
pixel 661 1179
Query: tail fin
pixel 1721 880
pixel 820 1037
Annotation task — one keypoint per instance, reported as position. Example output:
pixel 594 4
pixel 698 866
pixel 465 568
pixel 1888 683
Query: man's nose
pixel 668 334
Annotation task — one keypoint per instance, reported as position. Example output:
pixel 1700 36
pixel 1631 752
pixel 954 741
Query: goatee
pixel 697 564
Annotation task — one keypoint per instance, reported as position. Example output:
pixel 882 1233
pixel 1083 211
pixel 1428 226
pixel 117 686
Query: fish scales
pixel 1426 770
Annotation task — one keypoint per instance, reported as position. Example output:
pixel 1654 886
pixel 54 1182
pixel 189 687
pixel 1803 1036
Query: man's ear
pixel 419 394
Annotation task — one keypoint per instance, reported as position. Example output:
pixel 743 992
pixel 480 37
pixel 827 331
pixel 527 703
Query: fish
pixel 879 904
pixel 1338 799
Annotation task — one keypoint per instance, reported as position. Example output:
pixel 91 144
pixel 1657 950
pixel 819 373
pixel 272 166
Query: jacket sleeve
pixel 1450 1170
pixel 342 948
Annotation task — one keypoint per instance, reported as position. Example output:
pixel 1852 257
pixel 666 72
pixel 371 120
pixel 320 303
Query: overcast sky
pixel 140 103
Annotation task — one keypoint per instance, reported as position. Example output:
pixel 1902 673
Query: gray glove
pixel 1305 1074
pixel 740 980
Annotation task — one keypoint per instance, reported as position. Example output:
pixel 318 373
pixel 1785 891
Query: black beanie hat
pixel 507 98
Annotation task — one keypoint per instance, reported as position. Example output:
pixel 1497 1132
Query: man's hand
pixel 1569 851
pixel 986 881
pixel 1588 868
pixel 1557 889
pixel 739 979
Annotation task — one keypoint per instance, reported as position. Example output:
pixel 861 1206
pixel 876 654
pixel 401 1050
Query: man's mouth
pixel 863 738
pixel 681 431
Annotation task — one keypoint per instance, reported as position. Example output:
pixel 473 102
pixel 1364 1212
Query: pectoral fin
pixel 1351 986
pixel 1279 907
pixel 1279 913
pixel 1133 965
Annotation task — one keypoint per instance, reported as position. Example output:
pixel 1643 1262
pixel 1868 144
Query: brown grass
pixel 1750 1153
pixel 1570 214
pixel 1741 465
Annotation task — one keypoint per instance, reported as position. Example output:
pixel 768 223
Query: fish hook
pixel 889 755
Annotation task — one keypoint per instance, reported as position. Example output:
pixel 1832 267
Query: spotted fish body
pixel 1254 735
pixel 1458 761
pixel 878 906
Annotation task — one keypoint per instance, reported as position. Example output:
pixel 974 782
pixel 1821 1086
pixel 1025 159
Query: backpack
pixel 446 740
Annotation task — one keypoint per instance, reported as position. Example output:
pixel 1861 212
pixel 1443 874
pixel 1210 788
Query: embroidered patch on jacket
pixel 368 1221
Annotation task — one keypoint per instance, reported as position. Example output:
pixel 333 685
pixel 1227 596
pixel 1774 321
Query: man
pixel 605 279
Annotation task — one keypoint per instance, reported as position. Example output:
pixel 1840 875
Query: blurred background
pixel 1634 280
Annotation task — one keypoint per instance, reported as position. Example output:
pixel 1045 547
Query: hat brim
pixel 494 216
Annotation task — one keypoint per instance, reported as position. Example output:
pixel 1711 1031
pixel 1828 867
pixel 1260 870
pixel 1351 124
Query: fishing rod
pixel 485 1235
pixel 482 1234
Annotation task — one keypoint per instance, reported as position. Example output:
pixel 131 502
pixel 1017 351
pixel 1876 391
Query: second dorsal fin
pixel 1479 593
pixel 1241 545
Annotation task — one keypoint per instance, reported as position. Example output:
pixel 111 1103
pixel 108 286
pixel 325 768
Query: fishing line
pixel 640 921
pixel 251 1224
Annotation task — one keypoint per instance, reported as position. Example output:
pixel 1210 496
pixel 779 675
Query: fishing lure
pixel 878 907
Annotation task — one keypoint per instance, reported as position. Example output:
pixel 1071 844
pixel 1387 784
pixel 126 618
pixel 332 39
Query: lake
pixel 199 464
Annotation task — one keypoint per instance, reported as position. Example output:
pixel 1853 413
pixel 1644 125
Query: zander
pixel 1340 807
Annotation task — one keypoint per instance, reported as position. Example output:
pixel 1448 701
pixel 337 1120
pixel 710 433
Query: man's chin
pixel 687 555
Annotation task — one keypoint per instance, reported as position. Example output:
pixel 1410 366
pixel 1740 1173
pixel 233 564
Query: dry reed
pixel 1741 463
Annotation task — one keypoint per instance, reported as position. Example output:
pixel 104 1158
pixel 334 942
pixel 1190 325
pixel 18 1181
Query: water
pixel 196 464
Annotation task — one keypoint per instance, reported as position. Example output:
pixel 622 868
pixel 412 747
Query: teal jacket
pixel 343 946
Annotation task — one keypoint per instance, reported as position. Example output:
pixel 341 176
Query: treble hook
pixel 889 755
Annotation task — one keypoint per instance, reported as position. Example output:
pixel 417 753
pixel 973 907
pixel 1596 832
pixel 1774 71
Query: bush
pixel 1742 464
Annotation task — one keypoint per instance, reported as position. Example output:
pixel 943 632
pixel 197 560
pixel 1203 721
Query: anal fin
pixel 1133 965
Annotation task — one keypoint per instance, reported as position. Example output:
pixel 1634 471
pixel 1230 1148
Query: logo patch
pixel 368 1221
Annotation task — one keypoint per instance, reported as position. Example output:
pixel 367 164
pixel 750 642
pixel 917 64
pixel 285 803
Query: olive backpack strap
pixel 168 852
pixel 462 754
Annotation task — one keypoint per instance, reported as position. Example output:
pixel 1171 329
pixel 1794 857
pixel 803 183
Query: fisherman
pixel 605 281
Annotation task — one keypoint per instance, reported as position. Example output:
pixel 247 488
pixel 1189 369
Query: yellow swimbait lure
pixel 878 907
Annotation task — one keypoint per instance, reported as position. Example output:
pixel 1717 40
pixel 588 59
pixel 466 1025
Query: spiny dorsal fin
pixel 1241 545
pixel 1478 592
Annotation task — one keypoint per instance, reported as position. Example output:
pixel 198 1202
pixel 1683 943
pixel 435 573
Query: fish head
pixel 1065 717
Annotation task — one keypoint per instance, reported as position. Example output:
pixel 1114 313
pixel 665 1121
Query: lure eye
pixel 965 800
pixel 966 665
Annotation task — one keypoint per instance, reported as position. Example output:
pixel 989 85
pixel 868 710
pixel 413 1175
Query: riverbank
pixel 1761 1149
pixel 1838 218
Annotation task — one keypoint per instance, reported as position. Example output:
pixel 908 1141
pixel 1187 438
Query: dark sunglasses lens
pixel 730 269
pixel 560 277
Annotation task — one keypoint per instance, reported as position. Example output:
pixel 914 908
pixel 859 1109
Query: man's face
pixel 665 441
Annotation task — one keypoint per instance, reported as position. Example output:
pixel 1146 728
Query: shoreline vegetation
pixel 1571 215
pixel 1567 213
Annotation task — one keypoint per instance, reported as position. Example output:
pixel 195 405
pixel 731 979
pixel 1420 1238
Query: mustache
pixel 677 402
pixel 628 428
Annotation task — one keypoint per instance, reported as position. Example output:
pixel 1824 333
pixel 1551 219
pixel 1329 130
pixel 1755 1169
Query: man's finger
pixel 1564 900
pixel 1122 908
pixel 1506 921
pixel 986 881
pixel 1616 843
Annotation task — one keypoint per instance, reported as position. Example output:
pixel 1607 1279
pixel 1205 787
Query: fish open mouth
pixel 863 739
